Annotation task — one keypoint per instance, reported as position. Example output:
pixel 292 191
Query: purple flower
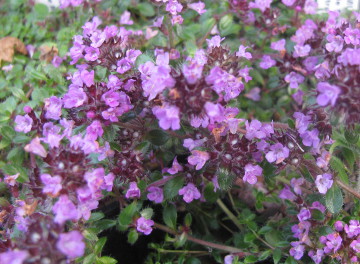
pixel 296 184
pixel 355 245
pixel 123 66
pixel 190 193
pixel 335 44
pixel 311 138
pixel 327 93
pixel 254 130
pixel 36 148
pixel 198 158
pixel 339 226
pixel 251 173
pixel 318 206
pixel 352 36
pixel 174 7
pixel 301 122
pixel 14 257
pixel 242 52
pixel 277 153
pixel 353 228
pixel 297 250
pixel 155 194
pixel 214 41
pixel 316 257
pixel 132 54
pixel 133 191
pixel 71 244
pixel 92 54
pixel 228 259
pixel 75 97
pixel 52 185
pixel 192 71
pixel 111 98
pixel 125 19
pixel 56 61
pixel 280 44
pixel 94 130
pixel 288 2
pixel 244 73
pixel 215 112
pixel 87 77
pixel 114 82
pixel 298 97
pixel 23 123
pixel 333 244
pixel 144 225
pixel 53 107
pixel 310 7
pixel 64 210
pixel 324 182
pixel 198 7
pixel 310 63
pixel 301 51
pixel 11 179
pixel 176 167
pixel 168 117
pixel 294 79
pixel 261 4
pixel 304 214
pixel 267 62
pixel 158 22
pixel 191 144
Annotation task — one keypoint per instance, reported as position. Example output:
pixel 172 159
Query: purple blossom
pixel 318 206
pixel 310 63
pixel 197 121
pixel 56 61
pixel 111 98
pixel 132 54
pixel 168 117
pixel 301 122
pixel 322 70
pixel 335 44
pixel 333 244
pixel 94 130
pixel 294 79
pixel 298 97
pixel 155 194
pixel 52 185
pixel 112 114
pixel 261 4
pixel 310 7
pixel 327 93
pixel 277 153
pixel 114 82
pixel 75 97
pixel 144 225
pixel 71 244
pixel 280 44
pixel 64 210
pixel 198 7
pixel 36 147
pixel 14 257
pixel 242 52
pixel 133 191
pixel 311 138
pixel 192 71
pixel 174 7
pixel 352 36
pixel 214 41
pixel 267 62
pixel 123 66
pixel 316 257
pixel 228 259
pixel 87 77
pixel 297 250
pixel 190 144
pixel 215 112
pixel 355 245
pixel 125 19
pixel 97 39
pixel 339 226
pixel 190 193
pixel 92 54
pixel 158 22
pixel 251 173
pixel 304 214
pixel 254 94
pixel 176 167
pixel 301 51
pixel 244 73
pixel 254 130
pixel 296 184
pixel 288 2
pixel 324 182
pixel 352 229
pixel 178 19
pixel 23 123
pixel 53 107
pixel 198 158
pixel 11 179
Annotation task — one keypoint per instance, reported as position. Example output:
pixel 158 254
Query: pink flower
pixel 36 148
pixel 242 52
pixel 176 167
pixel 14 257
pixel 214 41
pixel 23 123
pixel 324 182
pixel 133 191
pixel 267 62
pixel 168 116
pixel 327 93
pixel 251 173
pixel 198 7
pixel 71 244
pixel 155 194
pixel 198 158
pixel 190 193
pixel 125 19
pixel 144 225
pixel 277 153
pixel 52 185
pixel 64 210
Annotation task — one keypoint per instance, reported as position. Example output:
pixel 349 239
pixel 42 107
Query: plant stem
pixel 204 243
pixel 348 189
pixel 181 251
pixel 229 214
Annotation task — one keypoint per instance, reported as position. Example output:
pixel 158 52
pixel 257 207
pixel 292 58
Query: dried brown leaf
pixel 8 47
pixel 47 53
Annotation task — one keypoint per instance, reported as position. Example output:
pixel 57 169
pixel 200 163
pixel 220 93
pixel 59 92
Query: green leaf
pixel 249 237
pixel 291 123
pixel 277 255
pixel 41 11
pixel 334 199
pixel 147 213
pixel 126 215
pixel 317 215
pixel 188 219
pixel 8 132
pixel 157 137
pixel 54 74
pixel 352 136
pixel 89 259
pixel 250 259
pixel 96 216
pixel 90 235
pixel 106 260
pixel 104 224
pixel 146 9
pixel 143 58
pixel 306 174
pixel 99 245
pixel 265 229
pixel 225 179
pixel 170 216
pixel 173 186
pixel 265 255
pixel 338 166
pixel 133 236
pixel 209 194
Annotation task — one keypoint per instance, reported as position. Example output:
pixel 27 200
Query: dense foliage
pixel 226 131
